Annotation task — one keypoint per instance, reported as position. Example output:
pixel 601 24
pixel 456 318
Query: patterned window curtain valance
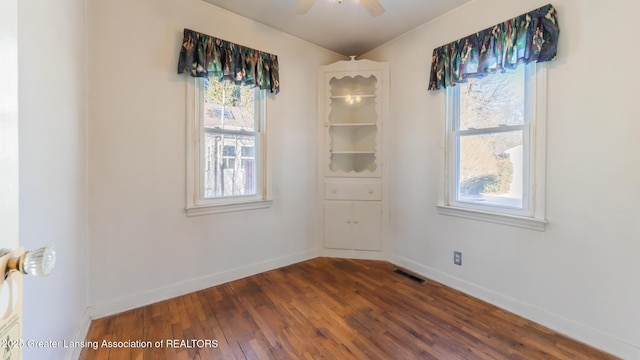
pixel 529 37
pixel 203 56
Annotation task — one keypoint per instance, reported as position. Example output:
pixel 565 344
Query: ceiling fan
pixel 373 6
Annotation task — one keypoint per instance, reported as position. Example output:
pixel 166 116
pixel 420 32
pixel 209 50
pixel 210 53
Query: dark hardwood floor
pixel 329 309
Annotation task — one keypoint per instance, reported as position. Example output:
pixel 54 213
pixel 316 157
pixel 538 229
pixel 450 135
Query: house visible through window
pixel 228 137
pixel 229 124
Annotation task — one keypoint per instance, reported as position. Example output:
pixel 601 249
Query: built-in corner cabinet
pixel 352 103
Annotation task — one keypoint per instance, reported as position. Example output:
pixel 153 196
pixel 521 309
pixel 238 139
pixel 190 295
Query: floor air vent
pixel 407 275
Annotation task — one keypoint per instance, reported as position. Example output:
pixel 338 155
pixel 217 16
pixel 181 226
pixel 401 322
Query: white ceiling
pixel 345 28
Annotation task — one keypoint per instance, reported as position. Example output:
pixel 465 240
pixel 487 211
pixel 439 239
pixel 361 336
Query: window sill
pixel 199 210
pixel 511 220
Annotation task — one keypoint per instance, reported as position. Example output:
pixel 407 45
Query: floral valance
pixel 529 37
pixel 203 56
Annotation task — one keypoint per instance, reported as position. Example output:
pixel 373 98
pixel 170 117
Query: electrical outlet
pixel 457 258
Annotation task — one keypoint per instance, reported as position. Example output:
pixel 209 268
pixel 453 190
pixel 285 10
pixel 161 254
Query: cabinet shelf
pixel 352 96
pixel 352 114
pixel 353 152
pixel 352 124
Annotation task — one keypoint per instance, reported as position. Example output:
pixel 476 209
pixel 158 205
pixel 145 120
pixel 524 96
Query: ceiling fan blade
pixel 304 6
pixel 373 6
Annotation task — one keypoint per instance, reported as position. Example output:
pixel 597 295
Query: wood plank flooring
pixel 329 309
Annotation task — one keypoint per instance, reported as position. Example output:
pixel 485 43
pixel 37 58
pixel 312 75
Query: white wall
pixel 580 276
pixel 143 248
pixel 53 172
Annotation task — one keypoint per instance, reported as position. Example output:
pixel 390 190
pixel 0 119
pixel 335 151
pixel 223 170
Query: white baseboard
pixel 580 332
pixel 354 254
pixel 167 292
pixel 79 336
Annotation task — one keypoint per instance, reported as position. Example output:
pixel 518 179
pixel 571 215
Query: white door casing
pixel 8 124
pixel 10 288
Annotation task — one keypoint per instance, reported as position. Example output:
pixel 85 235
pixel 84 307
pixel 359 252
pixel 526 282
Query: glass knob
pixel 41 261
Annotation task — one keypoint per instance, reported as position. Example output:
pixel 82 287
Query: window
pixel 495 148
pixel 226 152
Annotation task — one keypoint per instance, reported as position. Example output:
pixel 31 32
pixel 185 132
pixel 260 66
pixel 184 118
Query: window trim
pixel 531 218
pixel 197 204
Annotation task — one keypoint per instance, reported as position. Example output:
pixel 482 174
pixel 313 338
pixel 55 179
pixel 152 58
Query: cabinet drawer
pixel 344 191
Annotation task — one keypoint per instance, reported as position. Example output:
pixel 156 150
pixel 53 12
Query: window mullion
pixel 492 130
pixel 229 132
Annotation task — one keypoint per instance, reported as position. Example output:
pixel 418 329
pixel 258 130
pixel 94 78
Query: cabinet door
pixel 367 225
pixel 337 225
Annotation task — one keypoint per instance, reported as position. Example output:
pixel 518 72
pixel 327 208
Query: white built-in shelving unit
pixel 352 98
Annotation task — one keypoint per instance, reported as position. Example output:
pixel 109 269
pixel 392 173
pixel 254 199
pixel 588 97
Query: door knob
pixel 38 262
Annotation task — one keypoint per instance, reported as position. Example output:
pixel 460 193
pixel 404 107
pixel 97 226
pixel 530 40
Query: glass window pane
pixel 228 172
pixel 229 106
pixel 248 152
pixel 492 101
pixel 490 169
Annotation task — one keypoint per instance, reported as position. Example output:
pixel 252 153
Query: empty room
pixel 297 179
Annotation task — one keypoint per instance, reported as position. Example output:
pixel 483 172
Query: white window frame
pixel 197 204
pixel 532 214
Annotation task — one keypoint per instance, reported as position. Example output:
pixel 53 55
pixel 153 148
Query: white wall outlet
pixel 457 258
